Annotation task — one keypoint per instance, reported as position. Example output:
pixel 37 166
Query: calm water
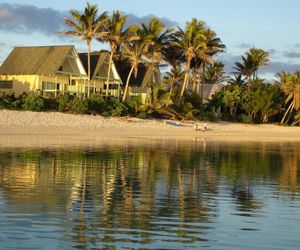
pixel 151 196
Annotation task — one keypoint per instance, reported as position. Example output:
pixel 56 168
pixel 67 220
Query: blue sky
pixel 272 25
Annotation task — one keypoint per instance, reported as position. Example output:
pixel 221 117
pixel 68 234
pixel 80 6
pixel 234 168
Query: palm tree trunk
pixel 287 111
pixel 89 67
pixel 202 85
pixel 127 83
pixel 170 92
pixel 109 69
pixel 194 79
pixel 186 78
pixel 198 82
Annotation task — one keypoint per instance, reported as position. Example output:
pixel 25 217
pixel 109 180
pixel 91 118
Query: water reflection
pixel 148 196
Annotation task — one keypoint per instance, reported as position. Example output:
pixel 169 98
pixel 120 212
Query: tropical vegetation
pixel 191 55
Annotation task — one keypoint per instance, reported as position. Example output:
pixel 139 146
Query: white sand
pixel 19 129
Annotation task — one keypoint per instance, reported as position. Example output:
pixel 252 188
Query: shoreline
pixel 42 129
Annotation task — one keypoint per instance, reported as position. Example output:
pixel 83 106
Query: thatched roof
pixel 99 64
pixel 42 60
pixel 146 75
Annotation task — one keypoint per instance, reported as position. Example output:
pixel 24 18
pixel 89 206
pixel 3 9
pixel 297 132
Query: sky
pixel 272 25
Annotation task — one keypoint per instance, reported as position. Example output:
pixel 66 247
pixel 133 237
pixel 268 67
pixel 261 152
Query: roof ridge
pixel 44 46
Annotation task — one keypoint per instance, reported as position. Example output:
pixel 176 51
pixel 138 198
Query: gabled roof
pixel 99 65
pixel 210 89
pixel 41 60
pixel 146 75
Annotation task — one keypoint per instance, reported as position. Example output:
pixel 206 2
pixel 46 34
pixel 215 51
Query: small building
pixel 99 73
pixel 140 84
pixel 45 69
pixel 209 90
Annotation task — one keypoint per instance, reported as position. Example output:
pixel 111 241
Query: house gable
pixel 41 60
pixel 71 65
pixel 100 65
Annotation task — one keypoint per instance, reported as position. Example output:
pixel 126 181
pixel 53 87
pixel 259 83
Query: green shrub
pixel 78 106
pixel 33 102
pixel 194 99
pixel 135 106
pixel 115 108
pixel 63 103
pixel 96 103
pixel 246 119
pixel 142 115
pixel 51 104
pixel 7 101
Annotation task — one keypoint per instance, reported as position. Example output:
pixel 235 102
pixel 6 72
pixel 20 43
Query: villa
pixel 99 73
pixel 51 70
pixel 45 69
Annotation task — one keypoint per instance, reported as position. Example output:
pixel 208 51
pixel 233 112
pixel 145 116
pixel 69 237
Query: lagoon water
pixel 149 195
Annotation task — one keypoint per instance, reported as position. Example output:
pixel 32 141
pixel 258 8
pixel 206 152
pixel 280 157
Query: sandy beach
pixel 20 129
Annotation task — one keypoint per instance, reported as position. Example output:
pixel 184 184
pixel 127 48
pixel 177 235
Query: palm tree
pixel 190 42
pixel 157 38
pixel 290 85
pixel 253 60
pixel 237 79
pixel 214 74
pixel 246 68
pixel 260 57
pixel 87 26
pixel 159 100
pixel 171 54
pixel 152 38
pixel 175 76
pixel 134 52
pixel 214 46
pixel 116 34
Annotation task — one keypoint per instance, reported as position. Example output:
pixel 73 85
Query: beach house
pixel 99 73
pixel 45 69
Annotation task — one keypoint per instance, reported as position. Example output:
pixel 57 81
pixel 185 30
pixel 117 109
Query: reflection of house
pixel 48 69
pixel 99 72
pixel 139 85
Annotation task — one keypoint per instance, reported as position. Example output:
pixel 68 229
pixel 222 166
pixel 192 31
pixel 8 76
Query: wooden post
pixel 55 94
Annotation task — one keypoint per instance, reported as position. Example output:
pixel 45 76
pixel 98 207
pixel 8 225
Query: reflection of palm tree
pixel 288 176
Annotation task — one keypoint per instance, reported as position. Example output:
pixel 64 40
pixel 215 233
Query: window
pixel 111 86
pixel 6 84
pixel 72 82
pixel 48 85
